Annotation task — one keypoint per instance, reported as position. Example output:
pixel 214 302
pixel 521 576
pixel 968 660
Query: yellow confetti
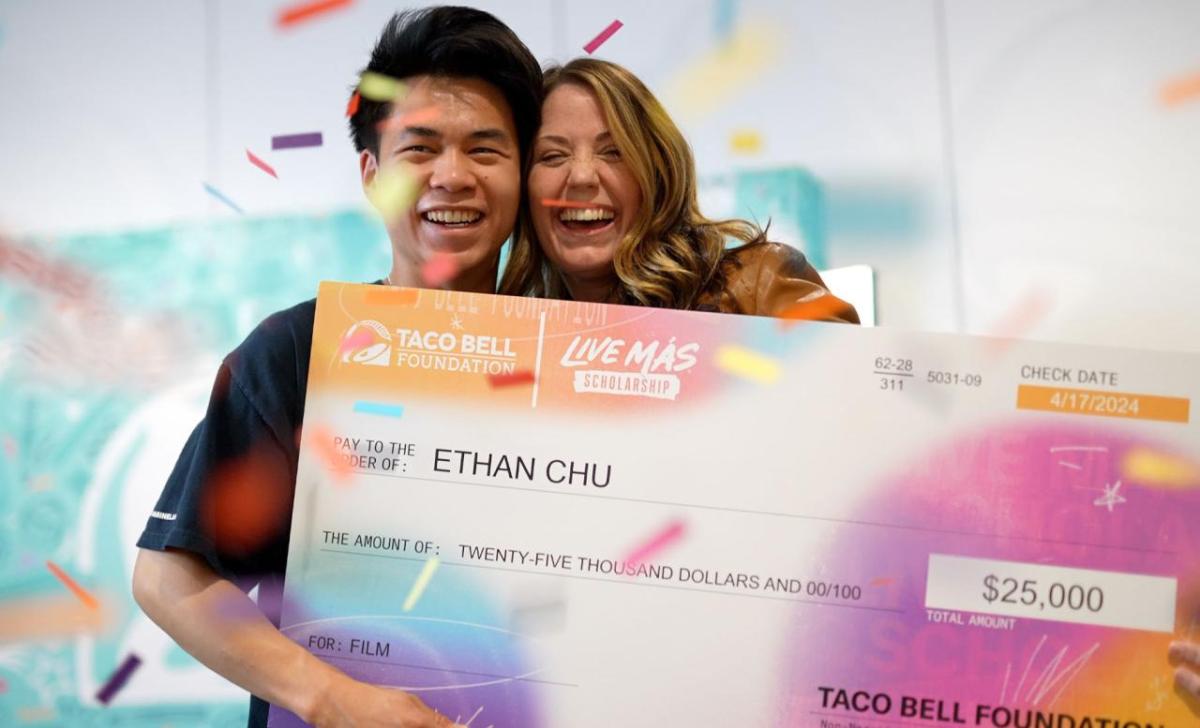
pixel 746 141
pixel 392 192
pixel 378 87
pixel 731 67
pixel 419 585
pixel 1156 468
pixel 747 364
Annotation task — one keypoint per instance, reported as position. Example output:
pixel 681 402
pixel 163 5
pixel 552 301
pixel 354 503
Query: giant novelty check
pixel 534 513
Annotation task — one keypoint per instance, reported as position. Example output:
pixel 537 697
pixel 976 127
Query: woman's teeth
pixel 586 214
pixel 452 217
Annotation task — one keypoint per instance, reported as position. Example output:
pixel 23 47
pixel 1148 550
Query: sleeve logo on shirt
pixel 367 342
pixel 162 516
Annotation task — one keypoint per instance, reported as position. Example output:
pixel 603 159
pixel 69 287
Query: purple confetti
pixel 118 678
pixel 296 141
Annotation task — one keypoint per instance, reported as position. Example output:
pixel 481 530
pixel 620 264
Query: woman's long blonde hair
pixel 672 254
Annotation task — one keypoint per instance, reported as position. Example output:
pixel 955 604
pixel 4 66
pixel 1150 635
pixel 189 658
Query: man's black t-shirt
pixel 229 498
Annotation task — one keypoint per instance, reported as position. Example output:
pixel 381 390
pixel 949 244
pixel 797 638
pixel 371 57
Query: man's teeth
pixel 585 214
pixel 452 216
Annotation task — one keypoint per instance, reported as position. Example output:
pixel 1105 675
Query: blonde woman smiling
pixel 611 213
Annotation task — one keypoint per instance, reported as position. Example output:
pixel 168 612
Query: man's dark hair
pixel 454 42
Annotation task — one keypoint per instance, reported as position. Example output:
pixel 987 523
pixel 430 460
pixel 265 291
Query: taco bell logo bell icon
pixel 367 342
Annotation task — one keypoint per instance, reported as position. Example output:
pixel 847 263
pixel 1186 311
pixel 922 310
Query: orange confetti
pixel 71 584
pixel 381 296
pixel 510 380
pixel 352 107
pixel 247 501
pixel 295 14
pixel 326 448
pixel 820 309
pixel 882 581
pixel 1180 91
pixel 415 117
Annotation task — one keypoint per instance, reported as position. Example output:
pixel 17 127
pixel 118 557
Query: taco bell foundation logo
pixel 367 342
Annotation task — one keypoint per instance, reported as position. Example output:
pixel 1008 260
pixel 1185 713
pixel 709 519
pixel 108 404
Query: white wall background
pixel 1029 134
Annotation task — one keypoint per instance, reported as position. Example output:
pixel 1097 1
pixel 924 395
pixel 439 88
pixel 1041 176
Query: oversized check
pixel 534 513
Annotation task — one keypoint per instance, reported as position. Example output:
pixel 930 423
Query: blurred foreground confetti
pixel 293 15
pixel 666 536
pixel 378 87
pixel 118 679
pixel 747 364
pixel 509 380
pixel 1156 468
pixel 439 269
pixel 247 501
pixel 819 309
pixel 1020 320
pixel 325 446
pixel 392 192
pixel 46 618
pixel 731 67
pixel 1181 90
pixel 379 408
pixel 418 587
pixel 604 35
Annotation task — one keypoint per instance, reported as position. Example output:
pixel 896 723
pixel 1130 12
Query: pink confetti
pixel 360 339
pixel 605 34
pixel 260 164
pixel 673 532
pixel 439 269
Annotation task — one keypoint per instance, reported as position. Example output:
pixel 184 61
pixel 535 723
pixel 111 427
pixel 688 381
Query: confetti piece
pixel 1017 322
pixel 819 309
pixel 882 581
pixel 296 141
pixel 415 117
pixel 382 296
pixel 747 364
pixel 260 164
pixel 509 380
pixel 323 444
pixel 358 340
pixel 295 14
pixel 217 194
pixel 246 501
pixel 117 680
pixel 378 87
pixel 10 447
pixel 439 269
pixel 418 587
pixel 1150 467
pixel 392 192
pixel 379 408
pixel 352 106
pixel 746 142
pixel 550 202
pixel 1180 91
pixel 728 69
pixel 667 536
pixel 605 34
pixel 45 618
pixel 71 584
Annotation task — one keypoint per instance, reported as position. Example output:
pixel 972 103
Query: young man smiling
pixel 457 136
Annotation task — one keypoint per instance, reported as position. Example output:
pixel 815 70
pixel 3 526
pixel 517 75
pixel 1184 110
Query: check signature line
pixel 516 678
pixel 753 512
pixel 628 582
